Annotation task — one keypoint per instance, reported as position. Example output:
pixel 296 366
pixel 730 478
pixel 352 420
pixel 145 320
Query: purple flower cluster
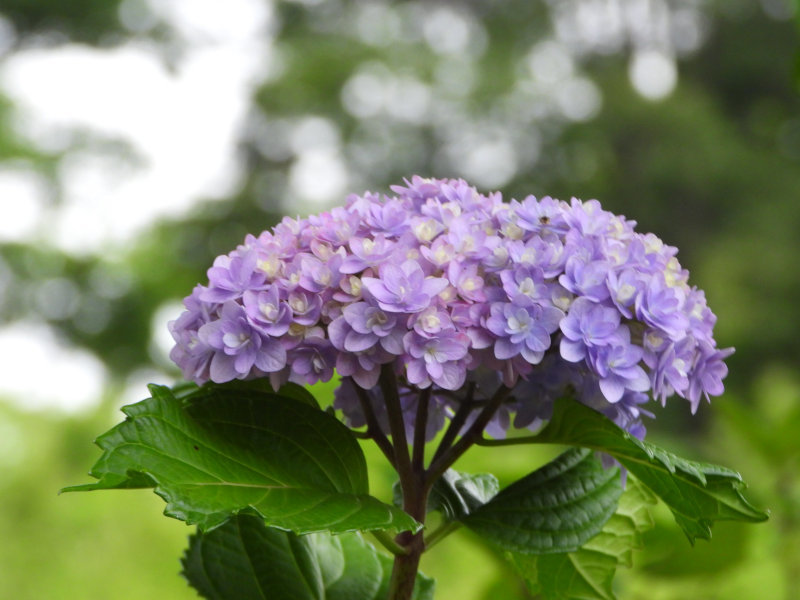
pixel 458 291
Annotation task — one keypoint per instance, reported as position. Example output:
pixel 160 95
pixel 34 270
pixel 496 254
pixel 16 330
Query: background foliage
pixel 526 97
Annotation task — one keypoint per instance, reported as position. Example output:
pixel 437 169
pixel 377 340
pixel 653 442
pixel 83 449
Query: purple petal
pixel 271 357
pixel 572 351
pixel 434 285
pixel 221 368
pixel 453 376
pixel 416 373
pixel 378 290
pixel 357 342
pixel 393 342
pixel 504 349
pixel 612 389
pixel 367 379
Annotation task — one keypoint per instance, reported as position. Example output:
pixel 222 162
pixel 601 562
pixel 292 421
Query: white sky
pixel 182 125
pixel 41 373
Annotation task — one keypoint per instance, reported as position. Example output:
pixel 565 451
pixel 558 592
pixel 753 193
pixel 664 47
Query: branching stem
pixel 373 427
pixel 397 426
pixel 465 407
pixel 415 480
pixel 387 541
pixel 441 532
pixel 473 434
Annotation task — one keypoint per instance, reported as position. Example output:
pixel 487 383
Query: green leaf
pixel 581 575
pixel 261 384
pixel 622 534
pixel 456 494
pixel 698 494
pixel 244 559
pixel 362 574
pixel 587 573
pixel 297 392
pixel 554 509
pixel 221 450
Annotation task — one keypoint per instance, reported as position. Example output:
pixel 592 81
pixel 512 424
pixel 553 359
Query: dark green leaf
pixel 587 573
pixel 244 559
pixel 457 494
pixel 554 509
pixel 298 392
pixel 261 384
pixel 697 493
pixel 219 451
pixel 362 573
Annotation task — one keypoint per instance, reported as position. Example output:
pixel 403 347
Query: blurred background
pixel 141 138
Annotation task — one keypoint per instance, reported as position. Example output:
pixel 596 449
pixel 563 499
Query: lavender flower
pixel 442 283
pixel 267 312
pixel 523 330
pixel 239 346
pixel 231 276
pixel 587 326
pixel 438 360
pixel 403 289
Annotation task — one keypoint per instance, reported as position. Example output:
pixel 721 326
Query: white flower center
pixel 377 318
pixel 270 311
pixel 235 340
pixel 513 231
pixel 527 287
pixel 355 286
pixel 654 340
pixel 625 292
pixel 425 230
pixel 430 322
pixel 271 266
pixel 298 304
pixel 528 256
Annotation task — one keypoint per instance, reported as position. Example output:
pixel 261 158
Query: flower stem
pixel 373 427
pixel 414 483
pixel 387 541
pixel 420 430
pixel 465 407
pixel 404 570
pixel 415 480
pixel 441 532
pixel 397 427
pixel 473 434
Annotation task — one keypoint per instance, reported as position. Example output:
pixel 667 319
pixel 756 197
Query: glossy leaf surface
pixel 588 573
pixel 555 509
pixel 245 559
pixel 217 451
pixel 697 493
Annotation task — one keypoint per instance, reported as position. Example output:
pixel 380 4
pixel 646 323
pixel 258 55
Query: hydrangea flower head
pixel 454 289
